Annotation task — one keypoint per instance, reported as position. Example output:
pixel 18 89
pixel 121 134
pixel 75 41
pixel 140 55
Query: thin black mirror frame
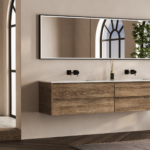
pixel 63 58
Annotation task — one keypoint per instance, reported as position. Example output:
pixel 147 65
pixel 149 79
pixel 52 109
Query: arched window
pixel 12 58
pixel 112 39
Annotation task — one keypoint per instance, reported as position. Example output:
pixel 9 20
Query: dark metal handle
pixel 69 72
pixel 133 71
pixel 76 72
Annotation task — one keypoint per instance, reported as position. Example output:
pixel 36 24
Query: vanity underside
pixel 87 98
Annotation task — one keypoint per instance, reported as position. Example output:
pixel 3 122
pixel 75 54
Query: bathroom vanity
pixel 85 97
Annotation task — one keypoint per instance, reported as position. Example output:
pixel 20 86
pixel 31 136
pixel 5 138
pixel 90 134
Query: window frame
pixel 12 7
pixel 109 40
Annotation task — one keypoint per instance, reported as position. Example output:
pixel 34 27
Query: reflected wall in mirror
pixel 89 38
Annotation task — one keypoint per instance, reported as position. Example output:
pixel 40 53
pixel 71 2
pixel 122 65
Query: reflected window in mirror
pixel 112 39
pixel 12 58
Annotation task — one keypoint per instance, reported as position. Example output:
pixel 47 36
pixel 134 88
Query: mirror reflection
pixel 66 37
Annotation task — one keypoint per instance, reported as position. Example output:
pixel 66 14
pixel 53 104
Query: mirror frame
pixel 84 17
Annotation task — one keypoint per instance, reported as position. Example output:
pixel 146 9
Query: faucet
pixel 131 72
pixel 75 72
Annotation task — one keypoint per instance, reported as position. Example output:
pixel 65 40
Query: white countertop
pixel 97 81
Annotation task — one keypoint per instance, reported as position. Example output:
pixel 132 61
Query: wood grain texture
pixel 83 90
pixel 82 106
pixel 45 101
pixel 63 143
pixel 130 89
pixel 128 104
pixel 13 134
pixel 85 98
pixel 80 98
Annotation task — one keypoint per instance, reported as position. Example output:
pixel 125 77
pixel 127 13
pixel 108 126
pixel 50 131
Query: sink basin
pixel 97 81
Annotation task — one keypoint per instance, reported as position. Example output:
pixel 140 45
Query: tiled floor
pixel 7 122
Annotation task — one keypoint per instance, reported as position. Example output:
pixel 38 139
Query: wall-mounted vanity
pixel 66 37
pixel 85 97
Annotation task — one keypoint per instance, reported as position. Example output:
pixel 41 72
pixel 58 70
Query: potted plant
pixel 141 34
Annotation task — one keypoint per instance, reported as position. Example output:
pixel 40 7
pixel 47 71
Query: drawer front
pixel 132 89
pixel 82 106
pixel 128 104
pixel 90 90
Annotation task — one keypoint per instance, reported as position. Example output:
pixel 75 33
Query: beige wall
pixel 57 37
pixel 36 125
pixel 65 37
pixel 4 66
pixel 18 64
pixel 5 71
pixel 82 37
pixel 1 47
pixel 94 23
pixel 129 41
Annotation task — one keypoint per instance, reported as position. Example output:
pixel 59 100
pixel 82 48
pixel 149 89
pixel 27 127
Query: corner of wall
pixel 18 62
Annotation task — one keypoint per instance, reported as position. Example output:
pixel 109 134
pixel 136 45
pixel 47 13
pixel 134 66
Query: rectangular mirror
pixel 93 38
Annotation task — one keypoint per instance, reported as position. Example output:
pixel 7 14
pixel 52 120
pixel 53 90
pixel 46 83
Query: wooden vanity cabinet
pixel 76 98
pixel 132 96
pixel 87 98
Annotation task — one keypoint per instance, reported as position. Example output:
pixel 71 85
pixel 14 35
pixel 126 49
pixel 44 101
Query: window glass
pixel 13 48
pixel 114 23
pixel 122 48
pixel 120 24
pixel 114 35
pixel 122 33
pixel 13 95
pixel 13 19
pixel 105 48
pixel 15 4
pixel 114 49
pixel 113 40
pixel 109 25
pixel 106 34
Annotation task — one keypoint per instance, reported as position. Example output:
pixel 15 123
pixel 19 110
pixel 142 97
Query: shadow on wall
pixel 101 123
pixel 37 37
pixel 30 100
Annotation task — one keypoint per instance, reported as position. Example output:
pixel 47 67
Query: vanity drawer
pixel 82 106
pixel 83 90
pixel 68 99
pixel 132 89
pixel 82 98
pixel 128 104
